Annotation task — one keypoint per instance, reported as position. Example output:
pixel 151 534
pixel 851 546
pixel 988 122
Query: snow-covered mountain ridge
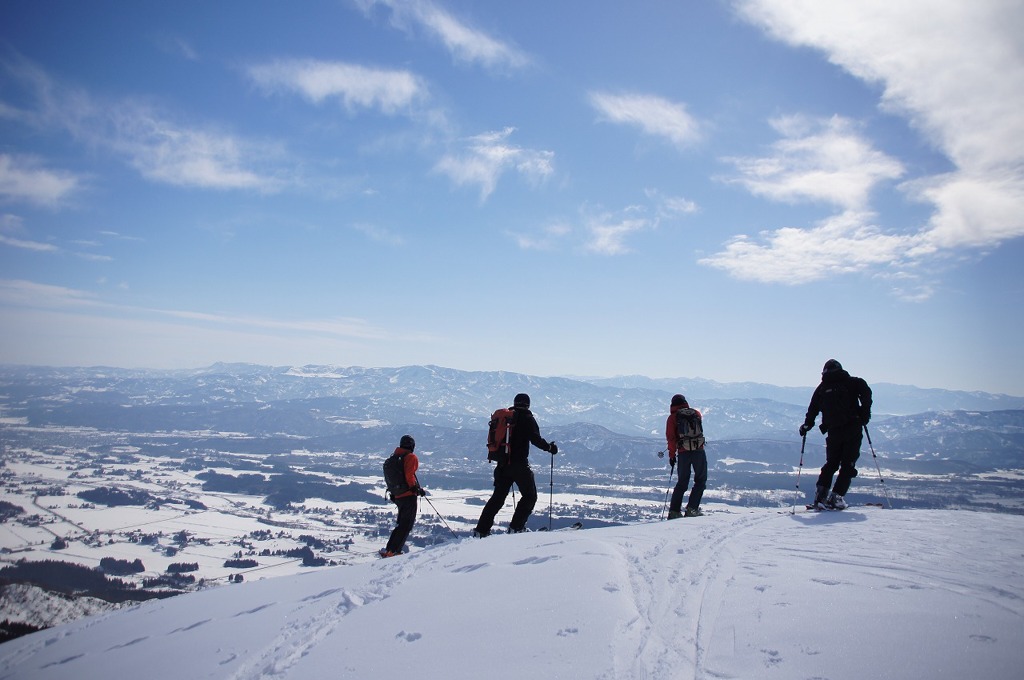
pixel 739 593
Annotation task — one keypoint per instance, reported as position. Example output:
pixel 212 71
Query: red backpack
pixel 499 433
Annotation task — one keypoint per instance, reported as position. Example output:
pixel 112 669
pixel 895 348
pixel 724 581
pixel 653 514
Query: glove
pixel 865 417
pixel 805 428
pixel 553 449
pixel 672 459
pixel 421 491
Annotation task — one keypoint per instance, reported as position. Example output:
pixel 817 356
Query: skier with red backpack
pixel 684 434
pixel 511 433
pixel 404 489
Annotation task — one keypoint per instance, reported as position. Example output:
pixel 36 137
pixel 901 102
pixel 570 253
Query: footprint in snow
pixel 535 560
pixel 409 637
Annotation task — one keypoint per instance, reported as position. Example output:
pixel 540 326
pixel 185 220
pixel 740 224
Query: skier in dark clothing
pixel 407 500
pixel 844 402
pixel 691 456
pixel 515 469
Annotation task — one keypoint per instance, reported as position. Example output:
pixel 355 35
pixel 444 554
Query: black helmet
pixel 522 400
pixel 407 442
pixel 679 400
pixel 831 366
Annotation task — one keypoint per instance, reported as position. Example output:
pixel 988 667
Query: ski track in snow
pixel 306 630
pixel 658 646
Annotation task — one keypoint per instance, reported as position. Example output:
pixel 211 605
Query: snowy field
pixel 739 593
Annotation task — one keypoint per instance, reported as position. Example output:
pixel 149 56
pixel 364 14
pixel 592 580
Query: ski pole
pixel 882 481
pixel 672 469
pixel 798 471
pixel 427 499
pixel 551 490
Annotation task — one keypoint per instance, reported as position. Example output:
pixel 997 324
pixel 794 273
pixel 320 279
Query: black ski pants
pixel 697 461
pixel 406 519
pixel 505 476
pixel 842 449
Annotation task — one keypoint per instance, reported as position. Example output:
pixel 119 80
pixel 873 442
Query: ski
pixel 575 526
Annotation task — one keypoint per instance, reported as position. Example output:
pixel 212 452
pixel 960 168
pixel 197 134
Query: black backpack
pixel 689 430
pixel 394 474
pixel 839 404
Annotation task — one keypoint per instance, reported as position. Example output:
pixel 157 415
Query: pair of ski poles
pixel 877 467
pixel 551 500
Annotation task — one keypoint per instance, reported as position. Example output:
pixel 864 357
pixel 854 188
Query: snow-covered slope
pixel 866 593
pixel 36 606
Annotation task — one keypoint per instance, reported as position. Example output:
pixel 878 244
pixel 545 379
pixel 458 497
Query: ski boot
pixel 836 502
pixel 693 512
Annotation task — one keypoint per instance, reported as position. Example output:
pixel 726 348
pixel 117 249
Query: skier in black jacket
pixel 516 470
pixel 844 402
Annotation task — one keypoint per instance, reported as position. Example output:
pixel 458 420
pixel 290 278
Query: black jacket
pixel 525 431
pixel 842 400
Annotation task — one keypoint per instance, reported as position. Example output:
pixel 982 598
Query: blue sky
pixel 729 190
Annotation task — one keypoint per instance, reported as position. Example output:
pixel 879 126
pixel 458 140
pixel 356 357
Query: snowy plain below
pixel 739 593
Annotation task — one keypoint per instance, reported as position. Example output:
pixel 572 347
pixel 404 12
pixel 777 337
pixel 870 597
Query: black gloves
pixel 553 448
pixel 421 491
pixel 805 428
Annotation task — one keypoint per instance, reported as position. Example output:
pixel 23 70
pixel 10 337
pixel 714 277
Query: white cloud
pixel 464 42
pixel 23 178
pixel 841 244
pixel 955 70
pixel 817 160
pixel 653 115
pixel 488 156
pixel 355 86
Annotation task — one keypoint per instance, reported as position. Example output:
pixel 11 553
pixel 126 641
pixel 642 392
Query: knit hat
pixel 830 366
pixel 679 400
pixel 407 443
pixel 522 400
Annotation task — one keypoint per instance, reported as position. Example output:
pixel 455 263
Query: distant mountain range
pixel 365 409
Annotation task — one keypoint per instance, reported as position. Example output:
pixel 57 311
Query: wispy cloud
pixel 464 42
pixel 957 76
pixel 355 86
pixel 28 245
pixel 608 233
pixel 160 148
pixel 24 178
pixel 166 152
pixel 653 115
pixel 487 156
pixel 379 234
pixel 41 296
pixel 24 293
